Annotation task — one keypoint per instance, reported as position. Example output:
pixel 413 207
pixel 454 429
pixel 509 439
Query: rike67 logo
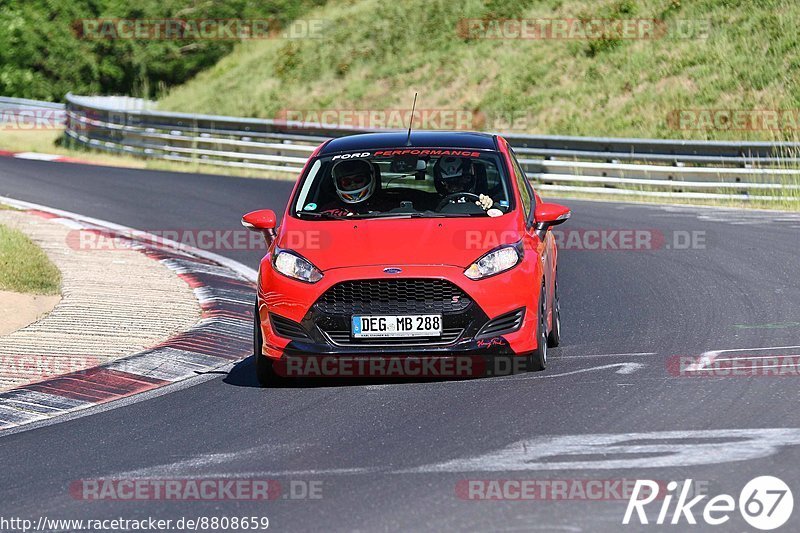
pixel 765 503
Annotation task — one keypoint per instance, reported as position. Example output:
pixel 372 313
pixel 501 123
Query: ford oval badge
pixel 393 270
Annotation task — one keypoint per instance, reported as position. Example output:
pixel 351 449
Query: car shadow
pixel 243 374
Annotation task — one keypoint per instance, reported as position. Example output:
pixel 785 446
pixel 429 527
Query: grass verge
pixel 24 267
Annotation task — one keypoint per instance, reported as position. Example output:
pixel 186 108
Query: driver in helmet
pixel 454 175
pixel 355 182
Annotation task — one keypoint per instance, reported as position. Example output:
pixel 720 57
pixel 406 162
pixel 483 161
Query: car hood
pixel 459 242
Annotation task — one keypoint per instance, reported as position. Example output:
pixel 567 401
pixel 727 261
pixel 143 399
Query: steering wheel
pixel 450 197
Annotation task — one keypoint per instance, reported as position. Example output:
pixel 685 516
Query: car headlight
pixel 494 262
pixel 294 266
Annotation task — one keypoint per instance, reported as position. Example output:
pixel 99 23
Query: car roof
pixel 419 139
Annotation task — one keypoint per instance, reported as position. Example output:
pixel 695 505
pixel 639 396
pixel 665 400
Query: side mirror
pixel 261 221
pixel 548 215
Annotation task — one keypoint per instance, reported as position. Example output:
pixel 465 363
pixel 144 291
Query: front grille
pixel 405 296
pixel 287 328
pixel 503 324
pixel 342 338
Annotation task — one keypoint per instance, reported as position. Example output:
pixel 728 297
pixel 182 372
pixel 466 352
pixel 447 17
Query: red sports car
pixel 427 245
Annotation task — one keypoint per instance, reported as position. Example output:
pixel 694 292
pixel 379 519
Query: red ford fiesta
pixel 431 244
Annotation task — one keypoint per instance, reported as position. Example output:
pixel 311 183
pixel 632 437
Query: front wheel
pixel 537 360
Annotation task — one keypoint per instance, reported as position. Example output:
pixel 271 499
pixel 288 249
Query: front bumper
pixel 286 305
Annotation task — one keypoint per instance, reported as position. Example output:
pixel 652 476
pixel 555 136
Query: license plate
pixel 397 326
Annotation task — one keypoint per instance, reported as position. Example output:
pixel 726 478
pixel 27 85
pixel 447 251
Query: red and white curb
pixel 225 290
pixel 37 156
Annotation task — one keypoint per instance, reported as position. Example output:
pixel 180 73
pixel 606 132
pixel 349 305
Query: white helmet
pixel 453 175
pixel 354 180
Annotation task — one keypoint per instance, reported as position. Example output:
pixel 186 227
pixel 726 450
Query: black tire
pixel 537 360
pixel 554 338
pixel 265 373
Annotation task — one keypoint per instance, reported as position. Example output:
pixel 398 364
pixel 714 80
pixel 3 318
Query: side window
pixel 522 183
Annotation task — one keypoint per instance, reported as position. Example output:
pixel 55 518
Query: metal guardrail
pixel 645 167
pixel 30 114
pixel 24 103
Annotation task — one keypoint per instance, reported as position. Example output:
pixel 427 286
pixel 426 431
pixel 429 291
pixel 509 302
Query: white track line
pixel 755 357
pixel 36 156
pixel 708 358
pixel 623 368
pixel 633 354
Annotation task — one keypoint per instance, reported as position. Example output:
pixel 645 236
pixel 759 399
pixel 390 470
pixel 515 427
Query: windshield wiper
pixel 416 214
pixel 387 214
pixel 328 216
pixel 378 214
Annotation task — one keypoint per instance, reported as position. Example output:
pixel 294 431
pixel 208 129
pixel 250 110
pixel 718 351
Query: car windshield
pixel 405 183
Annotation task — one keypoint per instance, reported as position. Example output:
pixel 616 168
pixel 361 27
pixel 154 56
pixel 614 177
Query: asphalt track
pixel 391 455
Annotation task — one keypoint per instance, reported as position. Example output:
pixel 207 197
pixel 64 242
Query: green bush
pixel 43 56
